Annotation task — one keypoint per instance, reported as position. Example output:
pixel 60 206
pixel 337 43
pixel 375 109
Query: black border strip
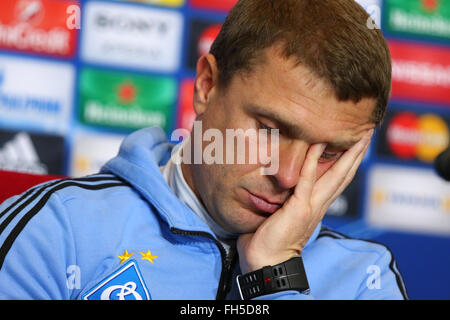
pixel 7 244
pixel 326 232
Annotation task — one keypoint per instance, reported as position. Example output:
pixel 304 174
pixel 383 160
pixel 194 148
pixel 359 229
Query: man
pixel 151 227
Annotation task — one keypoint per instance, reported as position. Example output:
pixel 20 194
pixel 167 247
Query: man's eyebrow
pixel 293 128
pixel 286 124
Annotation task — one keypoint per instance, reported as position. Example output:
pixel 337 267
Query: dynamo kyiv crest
pixel 126 283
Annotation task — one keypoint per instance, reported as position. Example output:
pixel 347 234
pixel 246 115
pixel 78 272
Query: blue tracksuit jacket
pixel 122 234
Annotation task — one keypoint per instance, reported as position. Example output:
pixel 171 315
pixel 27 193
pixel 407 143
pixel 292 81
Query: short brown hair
pixel 331 37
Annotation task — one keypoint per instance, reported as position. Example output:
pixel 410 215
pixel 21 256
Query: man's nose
pixel 291 159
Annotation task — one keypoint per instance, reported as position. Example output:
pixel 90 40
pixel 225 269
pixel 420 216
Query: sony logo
pixel 131 24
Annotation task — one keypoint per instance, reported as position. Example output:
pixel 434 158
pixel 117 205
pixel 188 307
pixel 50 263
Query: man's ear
pixel 206 82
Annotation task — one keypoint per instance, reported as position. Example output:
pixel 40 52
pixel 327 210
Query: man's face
pixel 281 95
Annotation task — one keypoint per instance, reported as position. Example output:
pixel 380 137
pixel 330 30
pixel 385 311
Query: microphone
pixel 442 164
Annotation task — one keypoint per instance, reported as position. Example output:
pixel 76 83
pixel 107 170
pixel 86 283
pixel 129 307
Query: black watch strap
pixel 289 275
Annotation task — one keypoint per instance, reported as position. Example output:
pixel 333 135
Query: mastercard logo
pixel 412 136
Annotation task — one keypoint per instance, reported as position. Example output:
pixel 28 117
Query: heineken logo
pixel 421 17
pixel 126 92
pixel 116 116
pixel 125 100
pixel 430 5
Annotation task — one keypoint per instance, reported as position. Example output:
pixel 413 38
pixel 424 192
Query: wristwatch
pixel 289 275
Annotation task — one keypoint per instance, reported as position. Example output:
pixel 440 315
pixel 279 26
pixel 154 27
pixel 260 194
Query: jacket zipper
pixel 228 261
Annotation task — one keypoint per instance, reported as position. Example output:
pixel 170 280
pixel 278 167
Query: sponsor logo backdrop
pixel 76 76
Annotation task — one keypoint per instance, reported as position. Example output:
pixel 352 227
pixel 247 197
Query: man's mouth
pixel 262 204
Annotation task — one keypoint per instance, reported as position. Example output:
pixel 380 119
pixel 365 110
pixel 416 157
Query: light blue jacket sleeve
pixel 36 249
pixel 382 281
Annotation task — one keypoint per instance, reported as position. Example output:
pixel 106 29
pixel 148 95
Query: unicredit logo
pixel 412 136
pixel 125 23
pixel 29 11
pixel 35 25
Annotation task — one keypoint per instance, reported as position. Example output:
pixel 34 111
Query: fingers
pixel 307 179
pixel 351 174
pixel 332 183
pixel 348 179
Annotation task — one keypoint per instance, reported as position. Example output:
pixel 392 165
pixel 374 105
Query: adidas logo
pixel 20 155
